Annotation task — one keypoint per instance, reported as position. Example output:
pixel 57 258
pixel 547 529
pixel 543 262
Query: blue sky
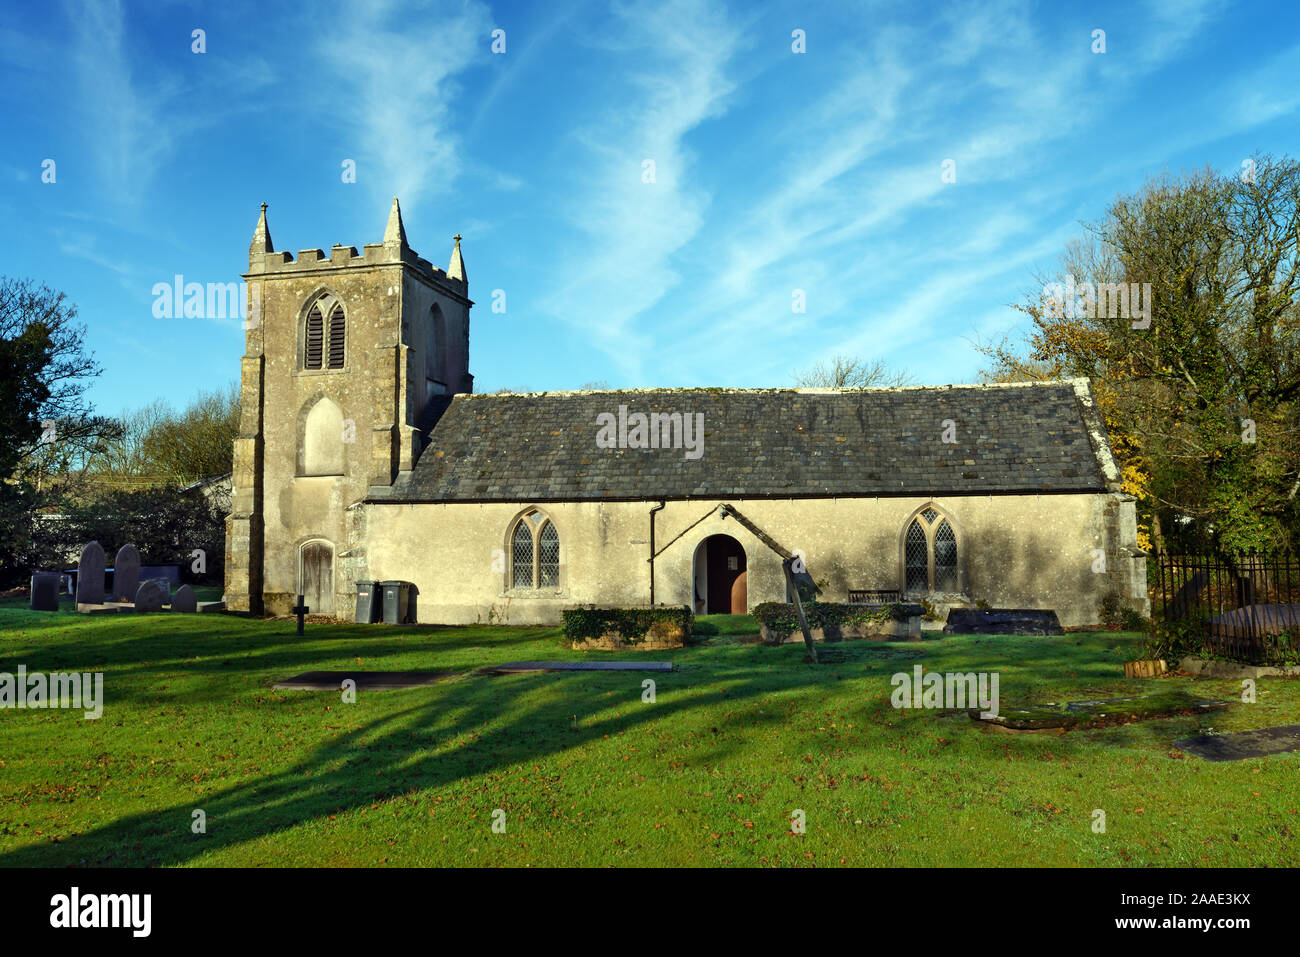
pixel 774 171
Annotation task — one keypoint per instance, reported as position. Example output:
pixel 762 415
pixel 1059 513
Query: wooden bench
pixel 873 596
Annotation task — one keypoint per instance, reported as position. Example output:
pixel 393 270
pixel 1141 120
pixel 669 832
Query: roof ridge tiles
pixel 765 390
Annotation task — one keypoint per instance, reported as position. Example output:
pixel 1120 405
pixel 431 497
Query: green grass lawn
pixel 739 736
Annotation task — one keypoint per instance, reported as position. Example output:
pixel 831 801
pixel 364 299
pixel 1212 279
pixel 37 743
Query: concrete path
pixel 393 680
pixel 366 680
pixel 521 667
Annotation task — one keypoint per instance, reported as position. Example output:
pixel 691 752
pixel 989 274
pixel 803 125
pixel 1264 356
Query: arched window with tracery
pixel 324 344
pixel 930 553
pixel 534 552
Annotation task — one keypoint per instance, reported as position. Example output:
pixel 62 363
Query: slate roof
pixel 767 443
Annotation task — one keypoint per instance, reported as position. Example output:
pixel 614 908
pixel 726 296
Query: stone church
pixel 364 454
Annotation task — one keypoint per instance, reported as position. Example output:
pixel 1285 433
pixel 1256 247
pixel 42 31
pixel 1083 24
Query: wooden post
pixel 786 565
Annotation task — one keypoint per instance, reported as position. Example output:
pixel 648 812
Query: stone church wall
pixel 1021 551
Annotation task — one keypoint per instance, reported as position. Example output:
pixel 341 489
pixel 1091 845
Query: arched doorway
pixel 720 577
pixel 316 577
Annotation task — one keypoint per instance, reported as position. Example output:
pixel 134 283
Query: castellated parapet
pixel 345 257
pixel 348 358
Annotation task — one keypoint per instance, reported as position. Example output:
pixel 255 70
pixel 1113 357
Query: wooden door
pixel 739 596
pixel 317 577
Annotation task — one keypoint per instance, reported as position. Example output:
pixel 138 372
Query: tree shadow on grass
pixel 379 761
pixel 479 725
pixel 139 653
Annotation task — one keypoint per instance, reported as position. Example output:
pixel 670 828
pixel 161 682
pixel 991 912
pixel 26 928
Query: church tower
pixel 347 356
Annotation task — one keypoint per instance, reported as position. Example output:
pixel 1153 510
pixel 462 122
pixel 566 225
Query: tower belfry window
pixel 315 336
pixel 325 335
pixel 337 331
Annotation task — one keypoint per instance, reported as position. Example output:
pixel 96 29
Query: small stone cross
pixel 300 609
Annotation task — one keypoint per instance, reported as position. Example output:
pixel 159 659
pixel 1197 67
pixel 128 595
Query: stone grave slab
pixel 45 591
pixel 1240 745
pixel 183 601
pixel 366 680
pixel 126 573
pixel 521 667
pixel 1252 620
pixel 206 606
pixel 106 608
pixel 1002 621
pixel 151 596
pixel 1099 713
pixel 90 575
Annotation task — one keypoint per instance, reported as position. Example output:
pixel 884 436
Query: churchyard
pixel 744 754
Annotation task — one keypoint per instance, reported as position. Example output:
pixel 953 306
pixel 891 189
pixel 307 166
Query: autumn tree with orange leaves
pixel 1201 400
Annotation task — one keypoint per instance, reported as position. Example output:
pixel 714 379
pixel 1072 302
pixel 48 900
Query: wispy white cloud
pixel 1170 25
pixel 1257 98
pixel 395 66
pixel 127 134
pixel 862 220
pixel 524 48
pixel 633 228
pixel 77 244
pixel 136 114
pixel 84 247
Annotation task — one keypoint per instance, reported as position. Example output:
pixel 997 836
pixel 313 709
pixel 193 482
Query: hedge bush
pixel 781 618
pixel 165 523
pixel 589 623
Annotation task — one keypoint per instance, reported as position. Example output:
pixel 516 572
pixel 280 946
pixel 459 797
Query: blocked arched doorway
pixel 316 577
pixel 720 572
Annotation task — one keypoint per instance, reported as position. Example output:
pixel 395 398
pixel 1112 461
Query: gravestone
pixel 164 584
pixel 1188 596
pixel 183 600
pixel 45 591
pixel 150 596
pixel 126 573
pixel 1002 621
pixel 90 575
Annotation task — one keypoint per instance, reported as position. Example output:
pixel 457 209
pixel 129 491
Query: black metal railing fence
pixel 1244 607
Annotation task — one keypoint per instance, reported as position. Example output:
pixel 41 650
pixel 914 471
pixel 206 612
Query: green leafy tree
pixel 198 442
pixel 46 424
